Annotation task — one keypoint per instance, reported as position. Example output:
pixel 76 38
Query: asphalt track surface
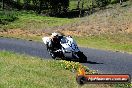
pixel 104 61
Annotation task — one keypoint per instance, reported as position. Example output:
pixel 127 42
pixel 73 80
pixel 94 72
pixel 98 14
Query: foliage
pixel 102 3
pixel 118 1
pixel 57 6
pixel 92 3
pixel 51 6
pixel 74 66
pixel 7 16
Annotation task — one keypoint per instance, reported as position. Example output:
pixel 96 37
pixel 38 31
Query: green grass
pixel 73 4
pixel 21 71
pixel 118 42
pixel 31 21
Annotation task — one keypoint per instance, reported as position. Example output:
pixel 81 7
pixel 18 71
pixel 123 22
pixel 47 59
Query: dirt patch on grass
pixel 86 29
pixel 109 21
pixel 129 29
pixel 21 32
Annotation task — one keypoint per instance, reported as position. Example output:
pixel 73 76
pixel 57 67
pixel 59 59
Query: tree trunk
pixel 78 4
pixel 40 6
pixel 80 12
pixel 82 4
pixel 3 6
pixel 121 2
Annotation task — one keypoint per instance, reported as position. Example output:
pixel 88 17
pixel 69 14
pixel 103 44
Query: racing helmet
pixel 54 34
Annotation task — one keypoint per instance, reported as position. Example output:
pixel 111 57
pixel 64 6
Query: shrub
pixel 7 16
pixel 74 66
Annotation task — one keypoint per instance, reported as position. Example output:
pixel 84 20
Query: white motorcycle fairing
pixel 69 45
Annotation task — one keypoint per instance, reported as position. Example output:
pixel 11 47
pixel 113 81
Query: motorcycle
pixel 69 49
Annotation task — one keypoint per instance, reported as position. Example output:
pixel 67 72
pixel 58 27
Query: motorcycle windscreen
pixel 69 45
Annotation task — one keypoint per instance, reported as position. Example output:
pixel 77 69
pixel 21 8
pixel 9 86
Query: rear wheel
pixel 61 55
pixel 82 57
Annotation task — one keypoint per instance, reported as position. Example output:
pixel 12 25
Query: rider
pixel 54 43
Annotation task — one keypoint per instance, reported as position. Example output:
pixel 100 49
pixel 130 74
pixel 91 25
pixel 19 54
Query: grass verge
pixel 20 71
pixel 116 42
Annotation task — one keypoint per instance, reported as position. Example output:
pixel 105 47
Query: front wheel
pixel 50 51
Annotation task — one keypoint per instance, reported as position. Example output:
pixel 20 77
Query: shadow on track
pixel 88 62
pixel 91 62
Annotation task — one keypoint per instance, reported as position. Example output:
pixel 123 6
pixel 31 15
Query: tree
pixel 26 4
pixel 58 6
pixel 78 4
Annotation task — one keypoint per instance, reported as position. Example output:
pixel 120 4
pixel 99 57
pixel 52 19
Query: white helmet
pixel 54 34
